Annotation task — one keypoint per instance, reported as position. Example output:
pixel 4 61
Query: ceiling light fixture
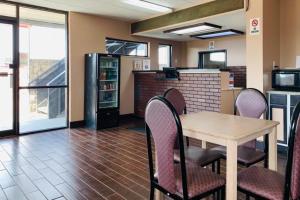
pixel 197 28
pixel 148 5
pixel 223 33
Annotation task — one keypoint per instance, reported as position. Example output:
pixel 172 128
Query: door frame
pixel 14 22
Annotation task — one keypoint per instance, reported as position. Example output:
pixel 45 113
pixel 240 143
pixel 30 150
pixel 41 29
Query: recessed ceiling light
pixel 203 27
pixel 148 5
pixel 223 33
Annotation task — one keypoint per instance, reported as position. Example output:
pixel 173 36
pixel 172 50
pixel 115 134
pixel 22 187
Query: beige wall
pixel 289 32
pixel 87 34
pixel 254 47
pixel 127 85
pixel 271 42
pixel 279 40
pixel 235 46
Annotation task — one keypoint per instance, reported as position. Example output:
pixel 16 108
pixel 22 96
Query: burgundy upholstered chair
pixel 177 100
pixel 262 183
pixel 250 103
pixel 193 155
pixel 176 180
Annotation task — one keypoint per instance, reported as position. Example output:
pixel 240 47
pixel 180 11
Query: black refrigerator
pixel 102 90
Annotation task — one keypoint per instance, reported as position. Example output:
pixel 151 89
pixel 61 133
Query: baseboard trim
pixel 128 116
pixel 77 124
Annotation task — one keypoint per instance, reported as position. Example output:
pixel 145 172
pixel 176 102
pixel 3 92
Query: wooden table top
pixel 224 126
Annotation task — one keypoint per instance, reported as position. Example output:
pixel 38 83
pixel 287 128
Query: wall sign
pixel 211 45
pixel 146 64
pixel 255 26
pixel 137 65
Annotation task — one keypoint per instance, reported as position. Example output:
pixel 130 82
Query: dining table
pixel 230 131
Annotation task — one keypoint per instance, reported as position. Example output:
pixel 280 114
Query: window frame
pixel 138 42
pixel 201 53
pixel 170 53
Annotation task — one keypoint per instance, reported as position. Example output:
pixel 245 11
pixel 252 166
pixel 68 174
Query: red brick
pixel 201 91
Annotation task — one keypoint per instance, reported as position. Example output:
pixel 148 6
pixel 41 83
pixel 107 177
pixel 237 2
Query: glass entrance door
pixel 7 63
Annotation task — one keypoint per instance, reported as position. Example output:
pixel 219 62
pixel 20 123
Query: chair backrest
pixel 177 100
pixel 163 123
pixel 251 103
pixel 292 186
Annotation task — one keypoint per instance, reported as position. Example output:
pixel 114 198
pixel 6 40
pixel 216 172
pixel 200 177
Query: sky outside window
pixel 43 42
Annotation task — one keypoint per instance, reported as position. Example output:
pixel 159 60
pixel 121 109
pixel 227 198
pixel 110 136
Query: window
pixel 164 56
pixel 43 74
pixel 126 48
pixel 213 59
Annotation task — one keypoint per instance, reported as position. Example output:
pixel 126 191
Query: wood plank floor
pixel 75 164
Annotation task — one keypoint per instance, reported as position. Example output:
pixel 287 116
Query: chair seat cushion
pixel 246 156
pixel 200 180
pixel 199 156
pixel 262 182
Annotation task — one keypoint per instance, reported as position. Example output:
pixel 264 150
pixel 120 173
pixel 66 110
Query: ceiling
pixel 119 10
pixel 113 8
pixel 232 20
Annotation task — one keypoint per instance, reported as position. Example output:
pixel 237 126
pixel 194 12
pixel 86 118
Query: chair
pixel 176 180
pixel 193 155
pixel 262 183
pixel 250 103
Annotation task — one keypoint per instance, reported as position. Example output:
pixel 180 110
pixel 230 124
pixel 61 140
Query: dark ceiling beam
pixel 193 13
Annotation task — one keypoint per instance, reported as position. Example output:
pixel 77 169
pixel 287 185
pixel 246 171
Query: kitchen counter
pixel 202 89
pixel 232 89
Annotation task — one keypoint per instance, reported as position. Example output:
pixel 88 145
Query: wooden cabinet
pixel 279 113
pixel 281 106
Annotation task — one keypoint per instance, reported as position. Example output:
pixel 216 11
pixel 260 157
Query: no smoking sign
pixel 254 26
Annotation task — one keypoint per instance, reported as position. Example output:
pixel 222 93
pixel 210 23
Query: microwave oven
pixel 286 79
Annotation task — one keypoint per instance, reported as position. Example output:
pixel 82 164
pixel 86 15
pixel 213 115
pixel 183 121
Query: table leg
pixel 231 170
pixel 273 149
pixel 203 144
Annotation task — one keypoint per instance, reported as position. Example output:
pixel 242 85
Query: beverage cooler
pixel 102 90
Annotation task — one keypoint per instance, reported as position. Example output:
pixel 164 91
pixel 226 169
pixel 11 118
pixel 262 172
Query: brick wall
pixel 201 91
pixel 239 75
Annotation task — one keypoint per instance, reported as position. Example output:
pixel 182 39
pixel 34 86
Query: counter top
pixel 183 71
pixel 146 71
pixel 230 89
pixel 204 71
